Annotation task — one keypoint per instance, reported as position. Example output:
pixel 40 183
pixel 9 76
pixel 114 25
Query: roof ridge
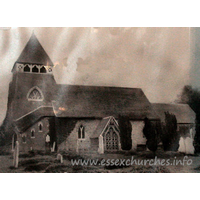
pixel 38 108
pixel 99 86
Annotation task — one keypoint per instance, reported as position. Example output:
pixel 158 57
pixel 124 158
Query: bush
pixel 151 133
pixel 191 96
pixel 170 137
pixel 125 132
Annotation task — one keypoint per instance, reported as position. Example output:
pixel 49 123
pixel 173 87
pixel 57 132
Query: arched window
pixel 23 138
pixel 40 126
pixel 81 132
pixel 43 70
pixel 35 94
pixel 35 69
pixel 32 133
pixel 26 68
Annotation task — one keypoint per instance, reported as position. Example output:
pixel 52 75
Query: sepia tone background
pixel 154 59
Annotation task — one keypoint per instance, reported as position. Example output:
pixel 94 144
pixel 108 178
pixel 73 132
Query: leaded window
pixel 81 132
pixel 35 94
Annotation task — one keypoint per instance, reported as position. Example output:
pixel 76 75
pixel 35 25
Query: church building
pixel 69 117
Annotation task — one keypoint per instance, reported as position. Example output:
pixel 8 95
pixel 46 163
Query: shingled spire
pixel 34 53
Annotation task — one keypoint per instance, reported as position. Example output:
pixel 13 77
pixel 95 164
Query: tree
pixel 186 94
pixel 191 96
pixel 170 137
pixel 151 132
pixel 125 132
pixel 1 136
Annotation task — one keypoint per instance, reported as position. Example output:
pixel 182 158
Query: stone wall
pixel 73 143
pixel 138 137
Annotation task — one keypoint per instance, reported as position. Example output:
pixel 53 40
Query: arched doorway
pixel 111 140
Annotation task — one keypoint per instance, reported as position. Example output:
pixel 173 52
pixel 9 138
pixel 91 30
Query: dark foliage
pixel 170 137
pixel 6 129
pixel 1 136
pixel 125 132
pixel 191 96
pixel 5 137
pixel 151 132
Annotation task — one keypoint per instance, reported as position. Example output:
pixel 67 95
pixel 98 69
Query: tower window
pixel 33 133
pixel 43 70
pixel 26 68
pixel 35 94
pixel 40 126
pixel 35 69
pixel 81 132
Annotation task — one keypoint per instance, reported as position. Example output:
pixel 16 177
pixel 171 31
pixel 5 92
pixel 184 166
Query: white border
pixel 99 13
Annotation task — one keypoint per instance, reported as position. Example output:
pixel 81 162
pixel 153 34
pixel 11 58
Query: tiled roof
pixel 100 127
pixel 34 53
pixel 99 102
pixel 183 112
pixel 26 121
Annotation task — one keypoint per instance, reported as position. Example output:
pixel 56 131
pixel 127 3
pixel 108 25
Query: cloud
pixel 155 59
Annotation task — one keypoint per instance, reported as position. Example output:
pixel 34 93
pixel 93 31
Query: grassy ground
pixel 41 162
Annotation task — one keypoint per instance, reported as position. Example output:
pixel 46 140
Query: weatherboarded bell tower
pixel 31 92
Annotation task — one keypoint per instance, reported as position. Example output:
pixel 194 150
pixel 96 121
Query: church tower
pixel 33 58
pixel 32 87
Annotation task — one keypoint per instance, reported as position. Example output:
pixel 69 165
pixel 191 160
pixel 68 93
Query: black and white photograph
pixel 99 100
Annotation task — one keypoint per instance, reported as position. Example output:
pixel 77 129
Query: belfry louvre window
pixel 81 132
pixel 35 69
pixel 43 70
pixel 35 94
pixel 26 68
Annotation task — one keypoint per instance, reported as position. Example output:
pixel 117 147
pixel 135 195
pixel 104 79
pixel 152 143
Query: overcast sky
pixel 195 57
pixel 154 59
